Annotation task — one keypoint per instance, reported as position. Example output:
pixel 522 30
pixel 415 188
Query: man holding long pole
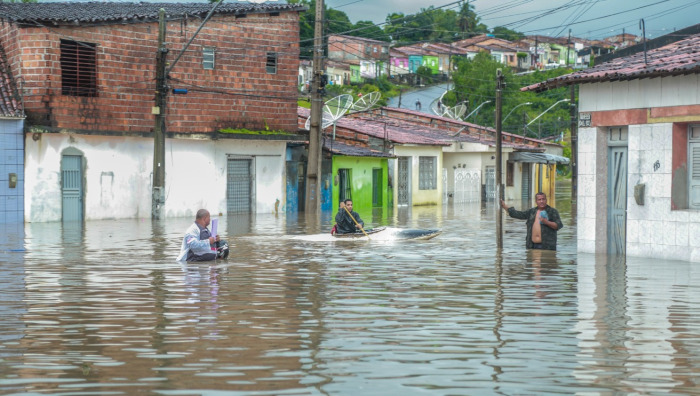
pixel 348 221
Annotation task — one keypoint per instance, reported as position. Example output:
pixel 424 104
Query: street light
pixel 475 110
pixel 550 108
pixel 509 113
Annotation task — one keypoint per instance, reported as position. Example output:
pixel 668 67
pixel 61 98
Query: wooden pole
pixel 313 166
pixel 499 154
pixel 158 193
pixel 574 146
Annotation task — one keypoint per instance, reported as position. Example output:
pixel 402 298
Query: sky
pixel 590 19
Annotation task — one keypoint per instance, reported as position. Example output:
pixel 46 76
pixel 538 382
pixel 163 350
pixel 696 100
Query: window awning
pixel 539 158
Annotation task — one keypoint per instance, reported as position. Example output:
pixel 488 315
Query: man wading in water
pixel 542 223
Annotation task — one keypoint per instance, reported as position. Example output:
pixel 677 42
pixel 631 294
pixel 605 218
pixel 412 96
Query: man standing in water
pixel 344 222
pixel 198 244
pixel 542 223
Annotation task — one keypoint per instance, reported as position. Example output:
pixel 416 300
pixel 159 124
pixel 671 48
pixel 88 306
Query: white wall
pixel 653 229
pixel 418 196
pixel 636 94
pixel 118 175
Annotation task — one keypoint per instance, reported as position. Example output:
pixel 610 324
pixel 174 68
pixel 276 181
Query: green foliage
pixel 475 82
pixel 244 131
pixel 507 34
pixel 424 72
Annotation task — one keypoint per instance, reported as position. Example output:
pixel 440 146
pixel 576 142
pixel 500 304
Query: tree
pixel 507 34
pixel 469 23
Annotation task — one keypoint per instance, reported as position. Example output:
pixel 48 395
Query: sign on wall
pixel 584 119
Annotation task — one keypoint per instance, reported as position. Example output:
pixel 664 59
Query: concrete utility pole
pixel 499 154
pixel 574 145
pixel 313 166
pixel 568 47
pixel 158 194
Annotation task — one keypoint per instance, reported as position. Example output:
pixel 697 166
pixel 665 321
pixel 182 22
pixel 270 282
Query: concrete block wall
pixel 11 161
pixel 653 229
pixel 586 199
pixel 238 93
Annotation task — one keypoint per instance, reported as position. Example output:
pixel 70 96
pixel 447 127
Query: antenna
pixel 333 110
pixel 366 102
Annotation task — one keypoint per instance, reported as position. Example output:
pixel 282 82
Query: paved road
pixel 425 95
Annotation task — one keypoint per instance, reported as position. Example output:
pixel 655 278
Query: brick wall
pixel 239 93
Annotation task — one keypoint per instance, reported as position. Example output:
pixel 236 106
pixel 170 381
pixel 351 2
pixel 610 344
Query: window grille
pixel 208 58
pixel 271 63
pixel 78 68
pixel 427 173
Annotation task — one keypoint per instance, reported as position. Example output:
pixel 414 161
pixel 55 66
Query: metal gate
pixel 526 185
pixel 490 186
pixel 467 185
pixel 239 185
pixel 617 200
pixel 72 187
pixel 404 181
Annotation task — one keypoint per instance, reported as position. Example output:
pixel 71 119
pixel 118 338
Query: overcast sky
pixel 587 18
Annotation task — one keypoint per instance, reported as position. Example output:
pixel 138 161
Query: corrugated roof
pixel 681 57
pixel 10 103
pixel 339 148
pixel 117 12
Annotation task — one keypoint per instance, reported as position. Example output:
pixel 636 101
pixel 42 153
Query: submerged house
pixel 88 72
pixel 639 151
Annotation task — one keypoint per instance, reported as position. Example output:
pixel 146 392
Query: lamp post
pixel 510 112
pixel 550 108
pixel 475 110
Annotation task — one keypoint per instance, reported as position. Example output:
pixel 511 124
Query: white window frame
pixel 427 173
pixel 209 58
pixel 271 67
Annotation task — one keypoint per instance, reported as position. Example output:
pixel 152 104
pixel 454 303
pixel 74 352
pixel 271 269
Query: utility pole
pixel 568 48
pixel 574 145
pixel 499 153
pixel 313 166
pixel 158 194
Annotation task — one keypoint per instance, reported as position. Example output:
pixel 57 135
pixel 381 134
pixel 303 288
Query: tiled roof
pixel 117 12
pixel 681 57
pixel 339 148
pixel 10 104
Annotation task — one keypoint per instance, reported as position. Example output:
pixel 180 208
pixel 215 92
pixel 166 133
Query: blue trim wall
pixel 11 162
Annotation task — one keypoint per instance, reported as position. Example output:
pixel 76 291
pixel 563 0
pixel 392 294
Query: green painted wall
pixel 355 74
pixel 361 175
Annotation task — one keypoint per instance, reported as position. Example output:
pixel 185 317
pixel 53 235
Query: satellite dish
pixel 337 107
pixel 455 112
pixel 333 110
pixel 366 102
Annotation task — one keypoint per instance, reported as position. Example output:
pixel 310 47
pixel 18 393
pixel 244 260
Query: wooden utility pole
pixel 574 145
pixel 313 166
pixel 158 194
pixel 499 154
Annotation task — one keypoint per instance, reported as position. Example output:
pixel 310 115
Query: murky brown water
pixel 106 310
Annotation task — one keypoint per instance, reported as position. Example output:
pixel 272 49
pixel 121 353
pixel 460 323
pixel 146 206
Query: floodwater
pixel 105 310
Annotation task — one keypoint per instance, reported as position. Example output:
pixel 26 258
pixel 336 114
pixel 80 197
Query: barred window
pixel 78 68
pixel 208 57
pixel 271 64
pixel 427 173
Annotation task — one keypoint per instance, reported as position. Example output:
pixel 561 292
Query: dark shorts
pixel 537 246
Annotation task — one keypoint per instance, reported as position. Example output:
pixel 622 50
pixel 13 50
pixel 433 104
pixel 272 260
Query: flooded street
pixel 106 310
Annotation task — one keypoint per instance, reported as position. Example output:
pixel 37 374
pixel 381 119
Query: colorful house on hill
pixel 89 139
pixel 639 152
pixel 11 148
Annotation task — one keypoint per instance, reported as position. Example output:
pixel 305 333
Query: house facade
pixel 639 153
pixel 89 89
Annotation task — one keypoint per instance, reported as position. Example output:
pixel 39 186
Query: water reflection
pixel 105 308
